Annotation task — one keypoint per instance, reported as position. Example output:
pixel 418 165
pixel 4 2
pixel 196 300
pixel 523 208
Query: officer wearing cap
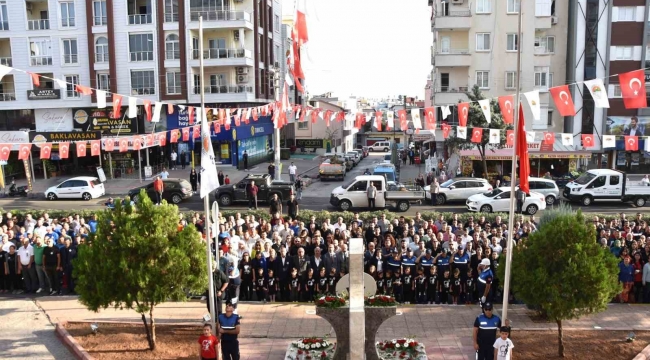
pixel 229 329
pixel 408 260
pixel 394 261
pixel 485 333
pixel 484 284
pixel 426 262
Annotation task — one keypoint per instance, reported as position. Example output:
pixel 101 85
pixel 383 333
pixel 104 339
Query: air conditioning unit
pixel 457 2
pixel 236 35
pixel 554 20
pixel 242 70
pixel 242 79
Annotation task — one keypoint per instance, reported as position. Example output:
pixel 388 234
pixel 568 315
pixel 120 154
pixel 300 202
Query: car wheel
pixel 531 209
pixel 403 206
pixel 225 200
pixel 52 196
pixel 639 202
pixel 550 200
pixel 385 149
pixel 345 205
pixel 176 199
pixel 86 196
pixel 587 200
pixel 486 209
pixel 440 199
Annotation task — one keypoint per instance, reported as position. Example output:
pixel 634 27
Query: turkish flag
pixel 631 143
pixel 117 106
pixel 83 90
pixel 254 112
pixel 510 138
pixel 403 123
pixel 95 147
pixel 186 134
pixel 463 113
pixel 64 150
pixel 430 117
pixel 245 116
pixel 109 145
pixel 549 137
pixel 477 135
pixel 522 152
pixel 147 109
pixel 46 150
pixel 23 152
pixel 378 118
pixel 5 151
pixel 217 127
pixel 162 138
pixel 314 115
pixel 587 140
pixel 81 148
pixel 173 136
pixel 148 140
pixel 196 131
pixel 35 79
pixel 507 105
pixel 190 114
pixel 633 89
pixel 170 109
pixel 445 130
pixel 124 144
pixel 137 142
pixel 237 117
pixel 563 100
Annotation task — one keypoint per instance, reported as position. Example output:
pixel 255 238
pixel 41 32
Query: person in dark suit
pixel 302 263
pixel 333 259
pixel 283 272
pixel 368 255
pixel 317 262
pixel 634 129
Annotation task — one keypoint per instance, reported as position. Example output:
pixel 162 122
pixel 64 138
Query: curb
pixel 77 350
pixel 644 354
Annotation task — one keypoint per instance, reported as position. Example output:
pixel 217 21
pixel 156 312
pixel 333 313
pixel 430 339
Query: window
pixel 549 120
pixel 483 6
pixel 101 49
pixel 513 6
pixel 141 47
pixel 617 91
pixel 171 10
pixel 103 82
pixel 512 42
pixel 71 84
pixel 545 44
pixel 4 18
pixel 510 79
pixel 550 80
pixel 172 47
pixel 543 7
pixel 614 180
pixel 276 23
pixel 541 77
pixel 40 51
pixel 624 52
pixel 70 54
pixel 483 79
pixel 626 13
pixel 67 14
pixel 173 82
pixel 483 42
pixel 303 125
pixel 143 82
pixel 99 13
pixel 277 54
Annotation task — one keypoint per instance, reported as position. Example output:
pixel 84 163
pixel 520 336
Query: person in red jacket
pixel 208 344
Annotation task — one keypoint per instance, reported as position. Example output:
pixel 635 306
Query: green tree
pixel 562 271
pixel 476 119
pixel 138 259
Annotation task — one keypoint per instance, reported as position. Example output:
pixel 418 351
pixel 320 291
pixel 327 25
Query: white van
pixel 605 185
pixel 354 194
pixel 384 146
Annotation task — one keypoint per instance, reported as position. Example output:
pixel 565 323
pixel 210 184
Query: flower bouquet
pixel 380 301
pixel 310 348
pixel 330 301
pixel 401 349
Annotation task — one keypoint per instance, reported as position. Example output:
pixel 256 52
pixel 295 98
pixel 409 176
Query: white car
pixel 460 188
pixel 498 200
pixel 81 187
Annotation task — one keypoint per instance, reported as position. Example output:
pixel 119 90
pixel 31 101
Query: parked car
pixel 332 168
pixel 174 191
pixel 353 194
pixel 354 156
pixel 460 188
pixel 384 146
pixel 547 187
pixel 605 185
pixel 81 187
pixel 389 171
pixel 498 200
pixel 229 194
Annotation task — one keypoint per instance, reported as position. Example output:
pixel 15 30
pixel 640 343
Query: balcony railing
pixel 141 55
pixel 222 54
pixel 452 89
pixel 43 24
pixel 541 50
pixel 144 91
pixel 139 19
pixel 6 61
pixel 70 59
pixel 172 54
pixel 454 13
pixel 8 96
pixel 100 20
pixel 453 51
pixel 219 15
pixel 231 89
pixel 41 60
pixel 171 17
pixel 101 57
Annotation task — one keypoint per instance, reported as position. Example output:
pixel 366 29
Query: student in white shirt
pixel 503 346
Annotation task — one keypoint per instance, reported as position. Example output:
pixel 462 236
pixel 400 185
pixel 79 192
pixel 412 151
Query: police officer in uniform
pixel 484 283
pixel 220 284
pixel 486 326
pixel 229 329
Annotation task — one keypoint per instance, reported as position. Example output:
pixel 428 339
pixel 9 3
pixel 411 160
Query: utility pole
pixel 276 132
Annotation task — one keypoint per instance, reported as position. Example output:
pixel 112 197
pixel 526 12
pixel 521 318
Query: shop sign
pixel 93 119
pixel 61 136
pixel 14 137
pixel 251 130
pixel 309 143
pixel 116 143
pixel 43 94
pixel 532 156
pixel 53 119
pixel 180 118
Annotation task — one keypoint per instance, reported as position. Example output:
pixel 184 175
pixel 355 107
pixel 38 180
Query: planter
pixel 340 320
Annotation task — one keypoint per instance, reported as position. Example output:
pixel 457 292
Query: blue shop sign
pixel 262 127
pixel 180 118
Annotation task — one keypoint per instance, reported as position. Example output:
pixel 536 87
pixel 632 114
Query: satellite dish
pixel 369 285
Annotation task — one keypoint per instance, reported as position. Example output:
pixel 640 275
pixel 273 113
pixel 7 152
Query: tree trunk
pixel 153 329
pixel 147 332
pixel 560 349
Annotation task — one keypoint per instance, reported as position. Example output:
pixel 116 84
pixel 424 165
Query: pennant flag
pixel 495 136
pixel 156 112
pixel 477 135
pixel 510 138
pixel 563 101
pixel 137 142
pixel 186 134
pixel 403 123
pixel 196 132
pixel 265 110
pixel 162 138
pixel 445 112
pixel 631 143
pixel 24 151
pixel 549 138
pixel 314 115
pixel 587 140
pixel 532 98
pixel 209 178
pixel 5 151
pixel 4 70
pixel 300 25
pixel 378 117
pixel 358 120
pixel 463 113
pixel 190 114
pixel 255 116
pixel 445 130
pixel 328 116
pixel 133 107
pixel 390 120
pixel 522 152
pixel 461 132
pixel 173 136
pixel 237 115
pixel 633 90
pixel 298 111
pixel 609 141
pixel 567 139
pixel 148 140
pixel 303 113
pixel 507 105
pixel 83 90
pixel 170 109
pixel 147 109
pixel 46 150
pixel 117 106
pixel 430 117
pixel 95 147
pixel 124 144
pixel 35 79
pixel 598 92
pixel 646 145
pixel 530 137
pixel 415 116
pixel 244 116
pixel 101 98
pixel 217 127
pixel 485 107
pixel 109 144
pixel 62 84
pixel 64 150
pixel 81 148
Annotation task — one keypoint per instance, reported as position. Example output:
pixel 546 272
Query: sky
pixel 367 48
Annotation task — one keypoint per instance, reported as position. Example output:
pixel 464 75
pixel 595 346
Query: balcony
pixel 450 94
pixel 453 19
pixel 141 55
pixel 453 57
pixel 43 60
pixel 223 89
pixel 43 24
pixel 224 57
pixel 221 18
pixel 140 19
pixel 5 52
pixel 226 93
pixel 140 12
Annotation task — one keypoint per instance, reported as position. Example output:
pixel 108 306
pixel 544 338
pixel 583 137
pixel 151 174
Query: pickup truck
pixel 229 194
pixel 605 185
pixel 333 167
pixel 353 194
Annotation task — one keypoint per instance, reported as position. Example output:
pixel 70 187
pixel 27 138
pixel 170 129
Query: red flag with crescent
pixel 147 109
pixel 430 117
pixel 137 142
pixel 217 127
pixel 23 152
pixel 190 114
pixel 314 115
pixel 35 79
pixel 254 112
pixel 81 148
pixel 563 101
pixel 148 140
pixel 633 89
pixel 631 143
pixel 170 109
pixel 378 118
pixel 162 138
pixel 507 105
pixel 124 144
pixel 196 131
pixel 588 140
pixel 95 147
pixel 477 135
pixel 46 150
pixel 173 136
pixel 117 106
pixel 510 137
pixel 549 138
pixel 186 133
pixel 109 145
pixel 445 130
pixel 463 113
pixel 5 151
pixel 403 123
pixel 83 90
pixel 328 117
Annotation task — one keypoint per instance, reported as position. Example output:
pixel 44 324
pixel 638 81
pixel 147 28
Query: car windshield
pixel 493 193
pixel 447 183
pixel 347 184
pixel 585 178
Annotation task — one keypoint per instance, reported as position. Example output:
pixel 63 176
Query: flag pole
pixel 206 198
pixel 513 179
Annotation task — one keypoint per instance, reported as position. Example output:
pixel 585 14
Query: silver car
pixel 546 187
pixel 459 189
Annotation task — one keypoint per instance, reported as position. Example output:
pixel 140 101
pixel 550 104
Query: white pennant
pixel 495 136
pixel 390 119
pixel 101 98
pixel 133 107
pixel 530 137
pixel 156 112
pixel 298 113
pixel 415 116
pixel 609 141
pixel 368 117
pixel 182 107
pixel 4 70
pixel 461 132
pixel 228 118
pixel 62 84
pixel 445 111
pixel 485 107
pixel 598 92
pixel 532 98
pixel 646 147
pixel 567 139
